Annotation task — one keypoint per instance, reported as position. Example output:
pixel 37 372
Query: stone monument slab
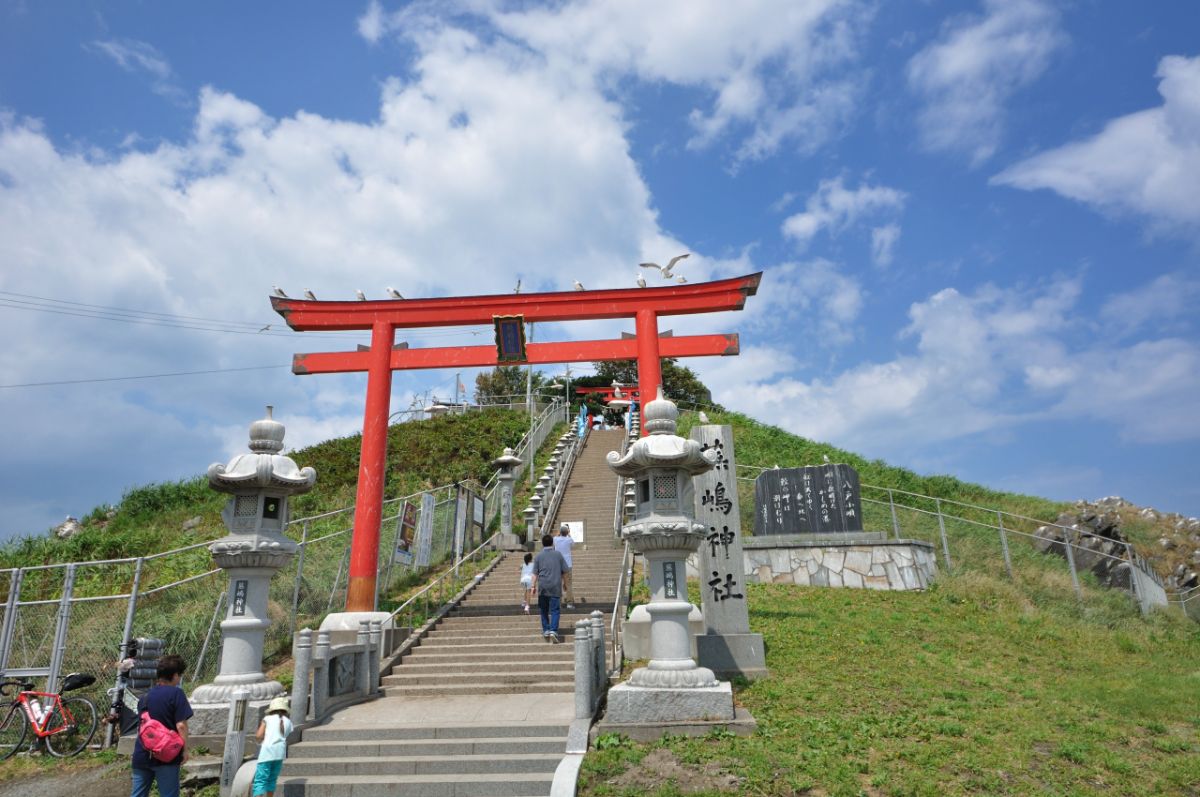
pixel 818 499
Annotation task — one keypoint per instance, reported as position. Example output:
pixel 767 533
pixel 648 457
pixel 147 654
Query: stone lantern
pixel 506 464
pixel 259 484
pixel 672 687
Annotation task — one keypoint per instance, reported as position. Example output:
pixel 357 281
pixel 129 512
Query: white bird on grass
pixel 703 417
pixel 579 286
pixel 362 297
pixel 395 294
pixel 666 272
pixel 641 281
pixel 309 295
pixel 826 458
pixel 278 292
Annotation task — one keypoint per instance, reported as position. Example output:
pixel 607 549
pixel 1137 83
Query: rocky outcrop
pixel 1102 546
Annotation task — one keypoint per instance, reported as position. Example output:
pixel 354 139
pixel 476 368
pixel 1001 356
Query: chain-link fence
pixel 968 537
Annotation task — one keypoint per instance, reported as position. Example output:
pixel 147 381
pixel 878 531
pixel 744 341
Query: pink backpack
pixel 162 743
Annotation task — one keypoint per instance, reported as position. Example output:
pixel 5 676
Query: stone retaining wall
pixel 864 561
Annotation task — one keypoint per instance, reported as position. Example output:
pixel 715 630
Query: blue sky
pixel 977 221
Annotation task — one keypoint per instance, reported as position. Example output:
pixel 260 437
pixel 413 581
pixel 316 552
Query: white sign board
pixel 576 527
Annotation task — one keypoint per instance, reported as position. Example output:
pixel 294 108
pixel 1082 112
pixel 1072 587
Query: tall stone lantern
pixel 506 465
pixel 259 485
pixel 672 687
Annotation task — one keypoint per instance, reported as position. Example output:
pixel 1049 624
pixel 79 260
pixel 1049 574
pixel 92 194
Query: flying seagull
pixel 362 297
pixel 666 272
pixel 264 329
pixel 641 281
pixel 579 285
pixel 309 295
pixel 395 294
pixel 703 417
pixel 279 292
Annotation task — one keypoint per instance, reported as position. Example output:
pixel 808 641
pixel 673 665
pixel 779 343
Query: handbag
pixel 162 743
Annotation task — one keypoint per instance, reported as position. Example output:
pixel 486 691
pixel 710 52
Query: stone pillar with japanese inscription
pixel 727 647
pixel 259 485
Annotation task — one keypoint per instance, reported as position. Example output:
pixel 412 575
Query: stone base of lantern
pixel 641 704
pixel 213 718
pixel 510 542
pixel 742 724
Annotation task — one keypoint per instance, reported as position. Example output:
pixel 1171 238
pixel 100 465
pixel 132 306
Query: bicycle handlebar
pixel 22 686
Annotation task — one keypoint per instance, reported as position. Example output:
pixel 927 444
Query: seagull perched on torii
pixel 666 271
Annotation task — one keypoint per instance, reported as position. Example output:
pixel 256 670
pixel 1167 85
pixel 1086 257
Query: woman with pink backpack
pixel 161 745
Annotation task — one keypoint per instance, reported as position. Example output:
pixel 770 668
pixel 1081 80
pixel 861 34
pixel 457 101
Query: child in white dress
pixel 527 581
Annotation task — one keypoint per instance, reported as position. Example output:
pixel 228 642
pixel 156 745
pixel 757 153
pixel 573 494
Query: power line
pixel 64 307
pixel 144 376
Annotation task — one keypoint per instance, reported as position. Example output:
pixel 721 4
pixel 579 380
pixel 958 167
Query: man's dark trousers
pixel 548 605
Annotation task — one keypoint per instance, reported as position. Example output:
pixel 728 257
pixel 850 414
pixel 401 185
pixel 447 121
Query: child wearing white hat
pixel 272 736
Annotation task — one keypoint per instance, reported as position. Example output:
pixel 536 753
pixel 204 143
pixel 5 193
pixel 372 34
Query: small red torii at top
pixel 384 317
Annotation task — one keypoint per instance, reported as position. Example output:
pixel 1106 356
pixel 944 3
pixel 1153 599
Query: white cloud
pixel 835 208
pixel 372 25
pixel 983 362
pixel 1147 163
pixel 774 72
pixel 1158 303
pixel 450 191
pixel 967 75
pixel 142 57
pixel 883 244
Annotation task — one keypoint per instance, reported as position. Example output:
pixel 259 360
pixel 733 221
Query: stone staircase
pixel 482 705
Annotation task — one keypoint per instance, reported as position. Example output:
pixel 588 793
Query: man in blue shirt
pixel 548 569
pixel 166 703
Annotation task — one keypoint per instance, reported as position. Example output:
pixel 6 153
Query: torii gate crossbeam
pixel 384 317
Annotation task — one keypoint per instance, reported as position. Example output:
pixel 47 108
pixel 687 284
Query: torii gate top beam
pixel 305 315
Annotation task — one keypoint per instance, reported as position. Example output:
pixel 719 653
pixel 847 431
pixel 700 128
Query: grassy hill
pixel 151 518
pixel 983 685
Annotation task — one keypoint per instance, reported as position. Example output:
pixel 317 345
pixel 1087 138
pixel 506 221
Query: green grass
pixel 966 689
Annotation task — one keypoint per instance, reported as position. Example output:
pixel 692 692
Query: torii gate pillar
pixel 649 367
pixel 364 556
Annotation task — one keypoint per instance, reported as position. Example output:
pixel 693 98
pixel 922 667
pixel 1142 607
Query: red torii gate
pixel 384 317
pixel 607 393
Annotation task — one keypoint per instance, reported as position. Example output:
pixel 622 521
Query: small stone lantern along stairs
pixel 486 654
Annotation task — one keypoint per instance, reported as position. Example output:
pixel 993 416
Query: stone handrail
pixel 591 672
pixel 328 677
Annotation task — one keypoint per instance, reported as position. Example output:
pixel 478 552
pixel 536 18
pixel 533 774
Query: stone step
pixel 442 690
pixel 498 657
pixel 360 765
pixel 431 677
pixel 483 669
pixel 493 785
pixel 492 746
pixel 494 636
pixel 377 733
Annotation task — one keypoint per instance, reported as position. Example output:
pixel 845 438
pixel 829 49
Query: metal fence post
pixel 127 634
pixel 942 531
pixel 391 557
pixel 10 616
pixel 337 578
pixel 299 574
pixel 60 633
pixel 895 522
pixel 1004 544
pixel 1067 544
pixel 212 625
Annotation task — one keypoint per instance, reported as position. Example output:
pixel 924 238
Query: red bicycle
pixel 66 724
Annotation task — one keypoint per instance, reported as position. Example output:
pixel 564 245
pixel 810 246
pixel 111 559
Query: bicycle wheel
pixel 78 715
pixel 13 728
